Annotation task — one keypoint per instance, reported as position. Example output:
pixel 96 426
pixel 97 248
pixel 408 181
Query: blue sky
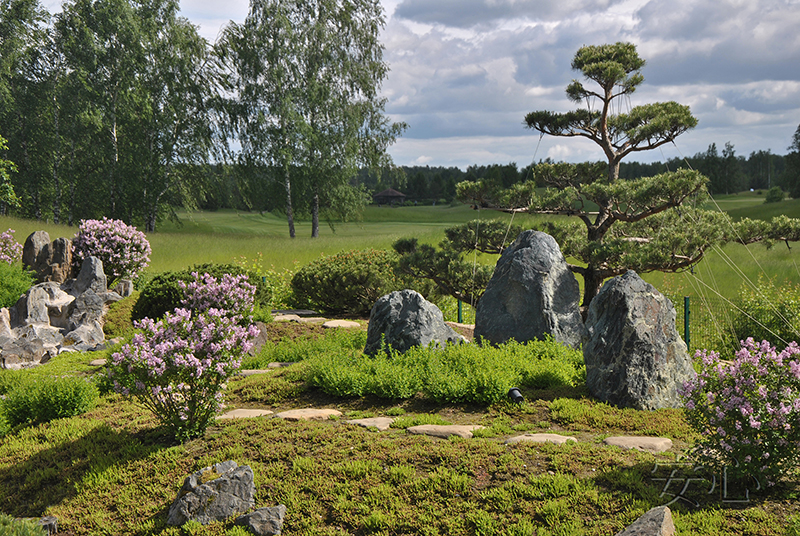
pixel 465 72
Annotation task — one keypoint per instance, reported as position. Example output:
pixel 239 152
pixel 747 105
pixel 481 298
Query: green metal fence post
pixel 460 313
pixel 686 320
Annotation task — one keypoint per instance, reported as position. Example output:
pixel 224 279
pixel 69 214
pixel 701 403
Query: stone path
pixel 382 424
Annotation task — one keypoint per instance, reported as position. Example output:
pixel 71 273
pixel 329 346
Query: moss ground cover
pixel 113 470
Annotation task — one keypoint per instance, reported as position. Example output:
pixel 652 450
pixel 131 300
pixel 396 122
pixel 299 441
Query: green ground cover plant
pixel 113 470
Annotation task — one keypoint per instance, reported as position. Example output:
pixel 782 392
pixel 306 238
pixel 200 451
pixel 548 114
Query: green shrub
pixel 464 373
pixel 349 282
pixel 14 282
pixel 48 398
pixel 19 527
pixel 163 293
pixel 774 195
pixel 768 313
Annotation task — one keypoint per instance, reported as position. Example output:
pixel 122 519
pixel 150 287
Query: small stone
pixel 347 324
pixel 444 431
pixel 98 362
pixel 264 521
pixel 381 423
pixel 309 414
pixel 244 413
pixel 49 524
pixel 643 443
pixel 276 364
pixel 655 522
pixel 540 438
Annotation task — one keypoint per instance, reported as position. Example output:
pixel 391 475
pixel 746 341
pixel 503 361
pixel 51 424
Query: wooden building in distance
pixel 389 197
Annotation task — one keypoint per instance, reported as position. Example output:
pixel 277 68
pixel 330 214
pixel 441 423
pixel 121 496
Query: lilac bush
pixel 10 249
pixel 178 367
pixel 232 294
pixel 747 410
pixel 123 249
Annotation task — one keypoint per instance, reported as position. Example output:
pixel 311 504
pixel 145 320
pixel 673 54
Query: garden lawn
pixel 114 471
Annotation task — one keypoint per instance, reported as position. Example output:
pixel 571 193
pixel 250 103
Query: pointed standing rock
pixel 532 293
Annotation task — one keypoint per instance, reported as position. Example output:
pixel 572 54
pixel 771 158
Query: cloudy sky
pixel 465 72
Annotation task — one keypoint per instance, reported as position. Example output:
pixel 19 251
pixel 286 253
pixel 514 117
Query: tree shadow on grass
pixel 53 475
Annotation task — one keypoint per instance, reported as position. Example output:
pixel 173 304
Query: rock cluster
pixel 532 293
pixel 403 319
pixel 219 492
pixel 634 355
pixel 214 494
pixel 54 317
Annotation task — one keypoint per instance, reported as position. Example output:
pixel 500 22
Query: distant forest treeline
pixel 727 173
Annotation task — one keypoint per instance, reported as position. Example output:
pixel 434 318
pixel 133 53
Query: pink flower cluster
pixel 748 410
pixel 123 249
pixel 233 294
pixel 178 366
pixel 10 249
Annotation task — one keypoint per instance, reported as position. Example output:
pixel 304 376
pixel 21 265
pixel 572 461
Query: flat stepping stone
pixel 643 443
pixel 97 363
pixel 313 320
pixel 253 372
pixel 300 312
pixel 277 364
pixel 286 318
pixel 244 413
pixel 347 324
pixel 540 438
pixel 381 423
pixel 309 414
pixel 444 431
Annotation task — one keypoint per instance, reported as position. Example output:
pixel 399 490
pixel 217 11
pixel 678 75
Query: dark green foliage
pixel 447 268
pixel 163 293
pixel 774 195
pixel 14 281
pixel 19 527
pixel 48 398
pixel 349 282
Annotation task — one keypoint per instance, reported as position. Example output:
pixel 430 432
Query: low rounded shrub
pixel 774 195
pixel 123 249
pixel 48 398
pixel 164 293
pixel 349 282
pixel 14 282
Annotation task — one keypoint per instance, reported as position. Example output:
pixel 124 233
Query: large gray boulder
pixel 404 319
pixel 634 355
pixel 532 293
pixel 214 494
